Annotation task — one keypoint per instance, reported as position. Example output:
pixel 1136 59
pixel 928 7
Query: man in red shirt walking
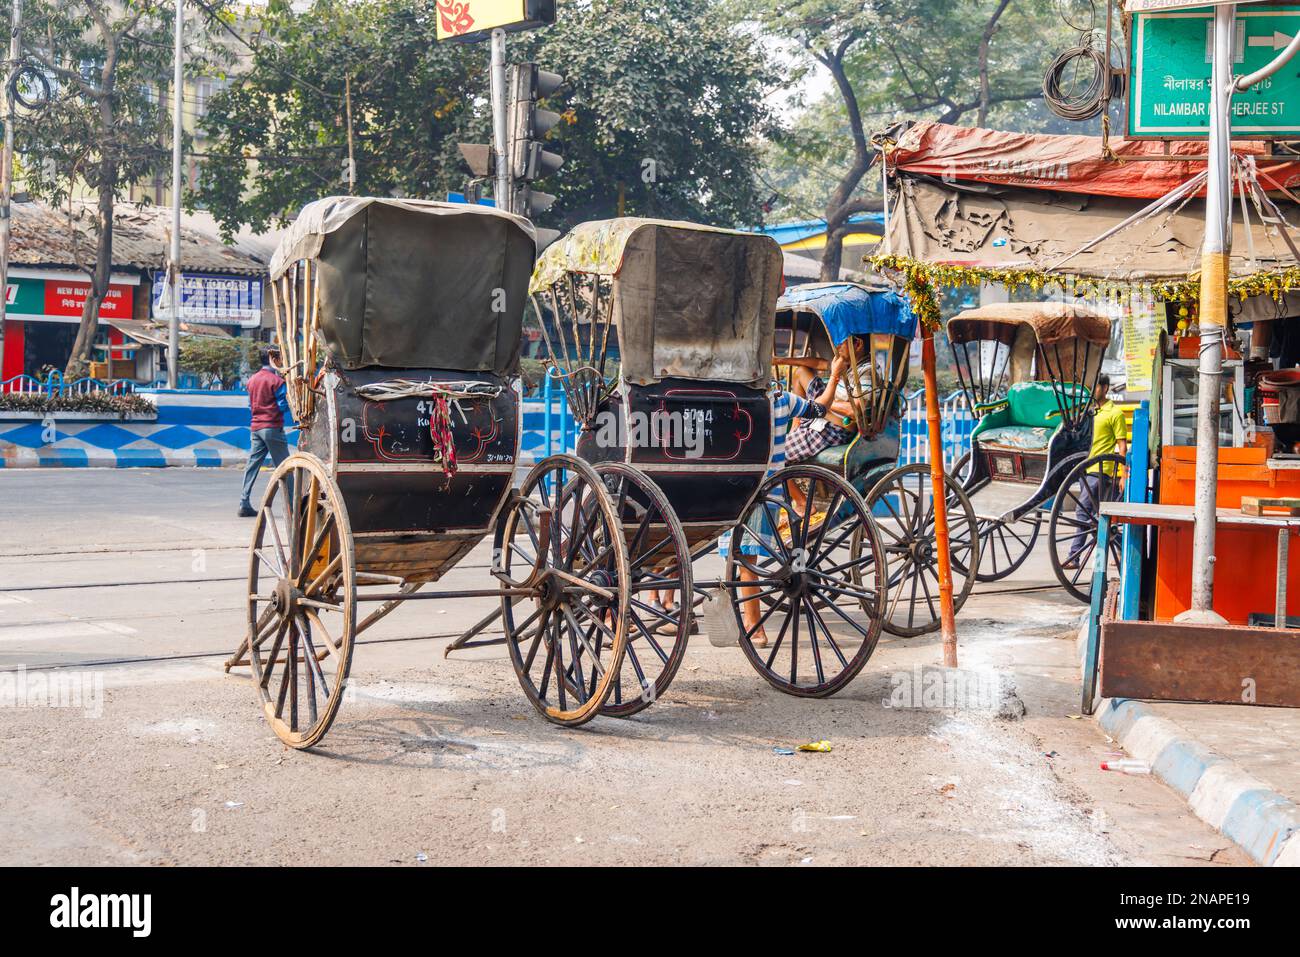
pixel 268 404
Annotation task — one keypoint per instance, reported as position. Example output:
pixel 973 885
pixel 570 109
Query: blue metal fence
pixel 55 384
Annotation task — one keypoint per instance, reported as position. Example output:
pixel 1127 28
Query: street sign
pixel 1170 53
pixel 1142 6
pixel 471 20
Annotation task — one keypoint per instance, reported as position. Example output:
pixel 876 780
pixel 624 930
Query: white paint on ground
pixel 190 730
pixel 1038 813
pixel 60 630
pixel 14 600
pixel 387 692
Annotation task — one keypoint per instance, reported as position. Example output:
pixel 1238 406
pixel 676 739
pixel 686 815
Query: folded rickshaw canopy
pixel 1049 322
pixel 689 301
pixel 411 284
pixel 851 309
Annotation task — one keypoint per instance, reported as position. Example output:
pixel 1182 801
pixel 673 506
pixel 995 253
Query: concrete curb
pixel 1262 822
pixel 55 457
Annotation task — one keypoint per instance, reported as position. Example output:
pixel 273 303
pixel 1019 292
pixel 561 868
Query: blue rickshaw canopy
pixel 851 309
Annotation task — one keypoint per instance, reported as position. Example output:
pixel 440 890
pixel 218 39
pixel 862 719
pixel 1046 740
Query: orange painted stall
pixel 1246 558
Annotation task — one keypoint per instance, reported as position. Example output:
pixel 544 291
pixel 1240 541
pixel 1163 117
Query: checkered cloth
pixel 805 442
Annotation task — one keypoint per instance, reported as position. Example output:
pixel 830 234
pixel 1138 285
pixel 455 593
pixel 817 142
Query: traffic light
pixel 529 157
pixel 530 202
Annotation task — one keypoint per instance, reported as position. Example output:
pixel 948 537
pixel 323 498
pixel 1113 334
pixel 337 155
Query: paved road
pixel 126 585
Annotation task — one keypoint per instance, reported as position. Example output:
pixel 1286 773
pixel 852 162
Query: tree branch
pixel 986 40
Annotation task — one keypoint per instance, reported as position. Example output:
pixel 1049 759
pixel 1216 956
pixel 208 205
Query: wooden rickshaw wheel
pixel 561 537
pixel 301 601
pixel 809 581
pixel 903 504
pixel 1066 529
pixel 1001 547
pixel 659 559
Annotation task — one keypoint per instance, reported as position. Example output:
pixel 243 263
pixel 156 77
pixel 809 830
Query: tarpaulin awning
pixel 850 309
pixel 1073 164
pixel 982 226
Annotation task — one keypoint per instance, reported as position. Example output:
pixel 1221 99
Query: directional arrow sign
pixel 1278 41
pixel 1169 95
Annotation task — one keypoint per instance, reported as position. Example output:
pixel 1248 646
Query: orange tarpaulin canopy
pixel 1072 164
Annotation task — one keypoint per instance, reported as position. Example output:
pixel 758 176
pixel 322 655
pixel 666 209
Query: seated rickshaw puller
pixel 759 535
pixel 1109 434
pixel 812 436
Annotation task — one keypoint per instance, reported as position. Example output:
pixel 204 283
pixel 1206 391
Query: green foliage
pixel 216 359
pixel 917 59
pixel 99 402
pixel 280 131
pixel 671 84
pixel 106 125
pixel 666 100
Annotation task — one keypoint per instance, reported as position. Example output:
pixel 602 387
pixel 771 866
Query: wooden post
pixel 943 555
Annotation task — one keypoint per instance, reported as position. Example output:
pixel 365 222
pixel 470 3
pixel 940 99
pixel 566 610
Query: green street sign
pixel 1169 83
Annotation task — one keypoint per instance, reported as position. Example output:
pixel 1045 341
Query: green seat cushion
pixel 1033 404
pixel 1022 438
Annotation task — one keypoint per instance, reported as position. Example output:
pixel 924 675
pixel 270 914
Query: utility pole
pixel 174 264
pixel 500 125
pixel 1215 258
pixel 7 175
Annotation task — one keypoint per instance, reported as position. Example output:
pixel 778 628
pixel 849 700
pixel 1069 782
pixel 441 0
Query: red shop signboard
pixel 69 298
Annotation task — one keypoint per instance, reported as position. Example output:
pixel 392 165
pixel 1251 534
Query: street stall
pixel 1049 217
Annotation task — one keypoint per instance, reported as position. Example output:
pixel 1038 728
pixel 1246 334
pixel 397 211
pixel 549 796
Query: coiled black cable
pixel 1085 93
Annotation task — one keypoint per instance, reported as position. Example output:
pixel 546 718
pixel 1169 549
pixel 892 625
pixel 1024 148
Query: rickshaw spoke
pixel 841 613
pixel 580 642
pixel 776 645
pixel 751 632
pixel 826 633
pixel 794 645
pixel 826 523
pixel 536 642
pixel 325 636
pixel 274 653
pixel 812 640
pixel 314 672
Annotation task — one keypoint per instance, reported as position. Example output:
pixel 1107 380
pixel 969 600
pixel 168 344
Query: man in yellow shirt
pixel 1101 483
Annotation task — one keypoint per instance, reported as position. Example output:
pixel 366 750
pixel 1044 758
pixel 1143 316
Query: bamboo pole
pixel 943 555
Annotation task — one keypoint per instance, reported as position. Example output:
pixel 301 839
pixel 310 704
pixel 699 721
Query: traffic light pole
pixel 500 122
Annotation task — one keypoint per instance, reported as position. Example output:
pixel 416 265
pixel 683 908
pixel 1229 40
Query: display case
pixel 1178 406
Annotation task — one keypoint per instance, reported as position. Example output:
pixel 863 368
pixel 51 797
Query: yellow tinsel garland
pixel 922 276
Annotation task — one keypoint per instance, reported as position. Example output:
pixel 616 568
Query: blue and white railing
pixel 54 384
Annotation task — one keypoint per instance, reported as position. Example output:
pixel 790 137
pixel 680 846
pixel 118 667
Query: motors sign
pixel 210 298
pixel 1170 52
pixel 471 20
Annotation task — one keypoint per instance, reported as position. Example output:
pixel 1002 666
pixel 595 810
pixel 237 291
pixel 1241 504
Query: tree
pixel 107 124
pixel 665 107
pixel 663 103
pixel 335 81
pixel 947 60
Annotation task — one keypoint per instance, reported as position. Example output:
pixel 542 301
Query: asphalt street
pixel 128 586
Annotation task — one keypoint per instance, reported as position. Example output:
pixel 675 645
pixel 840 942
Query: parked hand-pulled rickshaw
pixel 682 434
pixel 872 328
pixel 1029 371
pixel 400 328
